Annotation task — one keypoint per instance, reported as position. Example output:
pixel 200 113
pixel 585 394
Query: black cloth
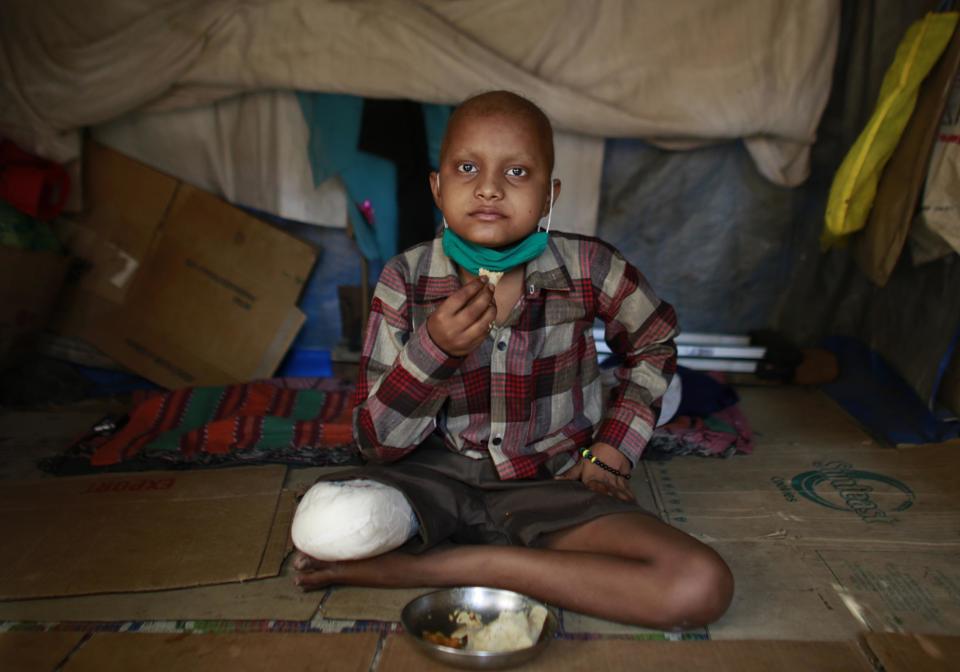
pixel 395 130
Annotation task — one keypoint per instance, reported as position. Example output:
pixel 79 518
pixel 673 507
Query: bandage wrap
pixel 351 520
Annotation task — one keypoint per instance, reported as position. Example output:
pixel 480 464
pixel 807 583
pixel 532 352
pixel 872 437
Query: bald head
pixel 507 104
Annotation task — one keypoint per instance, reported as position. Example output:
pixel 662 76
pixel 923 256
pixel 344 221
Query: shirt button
pixel 501 346
pixel 531 289
pixel 497 441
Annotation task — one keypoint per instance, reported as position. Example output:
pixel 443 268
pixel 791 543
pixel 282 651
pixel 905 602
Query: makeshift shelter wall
pixel 913 320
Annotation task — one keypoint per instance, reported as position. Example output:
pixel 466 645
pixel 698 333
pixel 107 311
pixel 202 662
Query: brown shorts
pixel 460 499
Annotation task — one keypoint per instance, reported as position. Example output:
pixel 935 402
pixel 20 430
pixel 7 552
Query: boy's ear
pixel 435 189
pixel 556 196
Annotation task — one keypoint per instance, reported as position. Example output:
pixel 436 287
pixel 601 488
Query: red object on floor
pixel 33 185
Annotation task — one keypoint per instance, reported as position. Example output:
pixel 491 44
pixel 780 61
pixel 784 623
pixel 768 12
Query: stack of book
pixel 707 352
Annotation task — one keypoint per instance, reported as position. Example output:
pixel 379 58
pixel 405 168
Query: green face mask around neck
pixel 473 257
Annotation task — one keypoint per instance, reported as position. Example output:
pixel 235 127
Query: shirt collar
pixel 545 272
pixel 548 271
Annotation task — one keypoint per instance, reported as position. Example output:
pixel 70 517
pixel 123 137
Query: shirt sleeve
pixel 640 328
pixel 402 379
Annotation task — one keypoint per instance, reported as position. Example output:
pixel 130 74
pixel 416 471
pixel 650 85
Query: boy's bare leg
pixel 627 567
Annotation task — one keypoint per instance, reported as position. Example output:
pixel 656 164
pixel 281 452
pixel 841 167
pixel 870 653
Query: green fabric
pixel 855 184
pixel 202 405
pixel 473 257
pixel 22 231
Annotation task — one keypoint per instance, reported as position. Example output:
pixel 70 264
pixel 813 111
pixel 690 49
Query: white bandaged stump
pixel 351 520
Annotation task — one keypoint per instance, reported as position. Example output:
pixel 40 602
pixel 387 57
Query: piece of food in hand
pixel 443 640
pixel 492 276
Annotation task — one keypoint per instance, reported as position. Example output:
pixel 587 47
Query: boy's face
pixel 494 179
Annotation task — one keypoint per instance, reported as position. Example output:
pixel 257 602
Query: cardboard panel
pixel 401 655
pixel 278 543
pixel 134 532
pixel 36 651
pixel 915 653
pixel 790 416
pixel 821 496
pixel 264 599
pixel 180 286
pixel 782 592
pixel 127 201
pixel 271 598
pixel 574 623
pixel 195 289
pixel 896 591
pixel 369 604
pixel 252 652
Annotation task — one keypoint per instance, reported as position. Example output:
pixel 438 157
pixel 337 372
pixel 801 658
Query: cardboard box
pixel 29 285
pixel 180 286
pixel 142 531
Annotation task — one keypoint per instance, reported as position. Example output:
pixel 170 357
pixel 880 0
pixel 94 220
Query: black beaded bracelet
pixel 588 455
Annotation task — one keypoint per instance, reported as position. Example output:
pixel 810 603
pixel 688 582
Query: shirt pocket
pixel 563 324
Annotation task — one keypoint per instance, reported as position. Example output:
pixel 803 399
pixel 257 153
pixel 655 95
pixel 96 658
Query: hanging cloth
pixel 855 184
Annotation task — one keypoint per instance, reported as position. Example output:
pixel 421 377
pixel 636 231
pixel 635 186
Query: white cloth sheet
pixel 682 72
pixel 250 149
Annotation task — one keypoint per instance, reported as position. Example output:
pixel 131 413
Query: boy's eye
pixel 516 171
pixel 467 167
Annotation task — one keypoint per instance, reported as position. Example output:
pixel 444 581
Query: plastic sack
pixel 855 184
pixel 940 208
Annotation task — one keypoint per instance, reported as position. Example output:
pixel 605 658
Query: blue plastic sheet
pixel 885 405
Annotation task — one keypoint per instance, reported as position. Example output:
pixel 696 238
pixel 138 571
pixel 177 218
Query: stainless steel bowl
pixel 431 613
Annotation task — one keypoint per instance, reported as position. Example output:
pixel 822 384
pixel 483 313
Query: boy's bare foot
pixel 312 573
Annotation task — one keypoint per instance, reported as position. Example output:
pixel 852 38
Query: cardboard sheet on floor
pixel 796 416
pixel 401 655
pixel 144 531
pixel 368 604
pixel 253 652
pixel 827 533
pixel 581 623
pixel 36 651
pixel 782 592
pixel 263 599
pixel 273 598
pixel 895 591
pixel 914 653
pixel 819 496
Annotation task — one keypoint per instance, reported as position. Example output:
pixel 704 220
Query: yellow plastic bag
pixel 855 184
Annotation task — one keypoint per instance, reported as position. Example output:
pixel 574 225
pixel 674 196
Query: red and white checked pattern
pixel 530 395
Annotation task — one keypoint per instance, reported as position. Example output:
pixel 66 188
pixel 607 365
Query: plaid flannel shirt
pixel 530 395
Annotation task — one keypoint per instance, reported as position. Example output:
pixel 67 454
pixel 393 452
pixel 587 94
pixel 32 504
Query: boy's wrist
pixel 611 456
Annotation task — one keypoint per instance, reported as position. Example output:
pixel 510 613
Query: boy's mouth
pixel 487 214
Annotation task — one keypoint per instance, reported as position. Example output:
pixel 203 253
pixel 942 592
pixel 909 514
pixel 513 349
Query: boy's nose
pixel 489 189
